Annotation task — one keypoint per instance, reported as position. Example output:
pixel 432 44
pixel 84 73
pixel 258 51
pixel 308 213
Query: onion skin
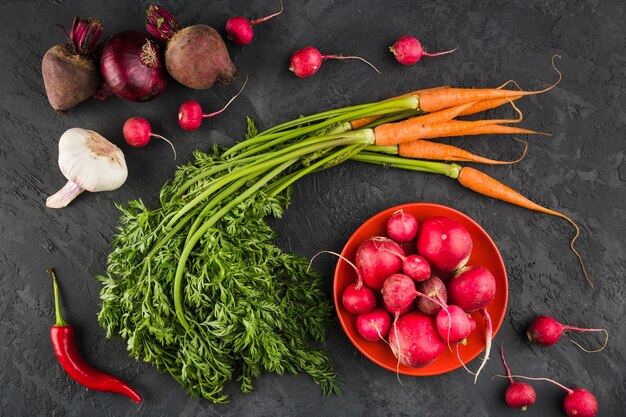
pixel 131 64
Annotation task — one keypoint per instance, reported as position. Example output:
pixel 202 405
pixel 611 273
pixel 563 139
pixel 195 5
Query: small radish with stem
pixel 402 227
pixel 356 298
pixel 434 288
pixel 415 266
pixel 414 340
pixel 190 113
pixel 520 395
pixel 473 288
pixel 376 259
pixel 239 29
pixel 137 133
pixel 374 325
pixel 546 331
pixel 408 50
pixel 454 324
pixel 578 403
pixel 308 60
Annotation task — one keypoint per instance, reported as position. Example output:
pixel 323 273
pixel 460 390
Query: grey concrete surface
pixel 579 170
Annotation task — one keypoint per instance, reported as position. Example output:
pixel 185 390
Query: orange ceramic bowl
pixel 484 253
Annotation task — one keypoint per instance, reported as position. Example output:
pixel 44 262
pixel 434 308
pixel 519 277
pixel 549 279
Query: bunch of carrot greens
pixel 198 287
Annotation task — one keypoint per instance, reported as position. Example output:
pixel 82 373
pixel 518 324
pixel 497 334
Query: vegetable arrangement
pixel 197 286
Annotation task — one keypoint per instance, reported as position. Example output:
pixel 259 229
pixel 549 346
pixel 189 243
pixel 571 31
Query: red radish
pixel 190 114
pixel 239 29
pixel 416 267
pixel 518 395
pixel 398 312
pixel 70 74
pixel 358 299
pixel 578 403
pixel 435 288
pixel 454 324
pixel 445 243
pixel 195 56
pixel 307 61
pixel 398 292
pixel 414 340
pixel 137 133
pixel 374 325
pixel 409 51
pixel 546 331
pixel 473 289
pixel 402 227
pixel 376 259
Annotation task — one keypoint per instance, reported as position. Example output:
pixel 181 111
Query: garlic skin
pixel 89 162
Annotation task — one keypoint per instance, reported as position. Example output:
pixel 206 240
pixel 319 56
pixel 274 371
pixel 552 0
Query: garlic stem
pixel 65 195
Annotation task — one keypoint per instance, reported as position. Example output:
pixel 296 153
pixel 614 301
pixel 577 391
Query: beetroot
pixel 445 243
pixel 374 325
pixel 402 227
pixel 546 331
pixel 195 56
pixel 435 288
pixel 70 74
pixel 414 340
pixel 376 259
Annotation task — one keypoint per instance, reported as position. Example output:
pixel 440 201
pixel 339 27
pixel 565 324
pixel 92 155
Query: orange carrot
pixel 486 185
pixel 359 123
pixel 424 149
pixel 489 104
pixel 434 100
pixel 413 129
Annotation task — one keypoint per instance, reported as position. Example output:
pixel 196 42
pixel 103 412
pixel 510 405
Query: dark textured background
pixel 580 170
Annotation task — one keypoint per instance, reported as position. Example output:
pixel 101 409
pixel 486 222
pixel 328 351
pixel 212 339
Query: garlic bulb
pixel 89 162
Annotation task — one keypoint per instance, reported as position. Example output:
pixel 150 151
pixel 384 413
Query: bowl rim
pixel 408 370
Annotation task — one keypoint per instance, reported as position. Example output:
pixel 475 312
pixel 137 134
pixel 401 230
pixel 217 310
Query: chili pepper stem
pixel 57 304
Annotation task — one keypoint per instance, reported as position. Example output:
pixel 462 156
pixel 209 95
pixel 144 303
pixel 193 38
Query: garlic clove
pixel 64 196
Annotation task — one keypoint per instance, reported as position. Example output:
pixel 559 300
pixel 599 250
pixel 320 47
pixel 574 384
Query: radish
pixel 415 266
pixel 307 61
pixel 400 311
pixel 195 56
pixel 376 259
pixel 578 403
pixel 454 324
pixel 445 243
pixel 435 288
pixel 398 292
pixel 358 299
pixel 190 113
pixel 473 289
pixel 137 133
pixel 408 50
pixel 518 395
pixel 239 29
pixel 402 227
pixel 414 340
pixel 374 325
pixel 546 331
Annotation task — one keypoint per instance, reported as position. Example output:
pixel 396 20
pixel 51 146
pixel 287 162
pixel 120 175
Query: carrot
pixel 424 149
pixel 434 100
pixel 413 129
pixel 489 104
pixel 359 123
pixel 486 185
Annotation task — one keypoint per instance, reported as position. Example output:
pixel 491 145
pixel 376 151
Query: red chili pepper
pixel 77 368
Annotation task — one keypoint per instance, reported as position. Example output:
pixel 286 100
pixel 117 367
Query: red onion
pixel 132 66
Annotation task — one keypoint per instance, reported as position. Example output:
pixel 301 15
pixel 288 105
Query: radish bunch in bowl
pixel 415 291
